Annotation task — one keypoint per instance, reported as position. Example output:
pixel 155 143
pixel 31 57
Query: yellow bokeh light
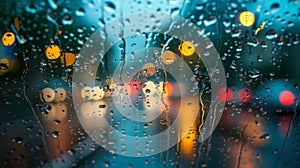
pixel 187 48
pixel 4 66
pixel 151 88
pixel 86 93
pixel 97 93
pixel 70 59
pixel 149 69
pixel 168 57
pixel 247 19
pixel 61 111
pixel 60 94
pixel 52 52
pixel 8 39
pixel 47 95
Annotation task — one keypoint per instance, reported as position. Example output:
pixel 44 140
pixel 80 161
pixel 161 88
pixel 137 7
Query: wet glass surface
pixel 108 83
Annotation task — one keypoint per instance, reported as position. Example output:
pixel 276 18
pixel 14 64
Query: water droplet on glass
pixel 21 39
pixel 31 9
pixel 260 58
pixel 275 151
pixel 226 23
pixel 271 34
pixel 17 140
pixel 290 24
pixel 210 21
pixel 52 4
pixel 264 44
pixel 71 151
pixel 254 73
pixel 55 134
pixel 67 20
pixel 265 137
pixel 80 12
pixel 109 7
pixel 174 2
pixel 236 33
pixel 253 42
pixel 274 8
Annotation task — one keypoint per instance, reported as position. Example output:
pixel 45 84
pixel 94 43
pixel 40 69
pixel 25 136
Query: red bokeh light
pixel 245 95
pixel 168 89
pixel 286 98
pixel 134 87
pixel 225 94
